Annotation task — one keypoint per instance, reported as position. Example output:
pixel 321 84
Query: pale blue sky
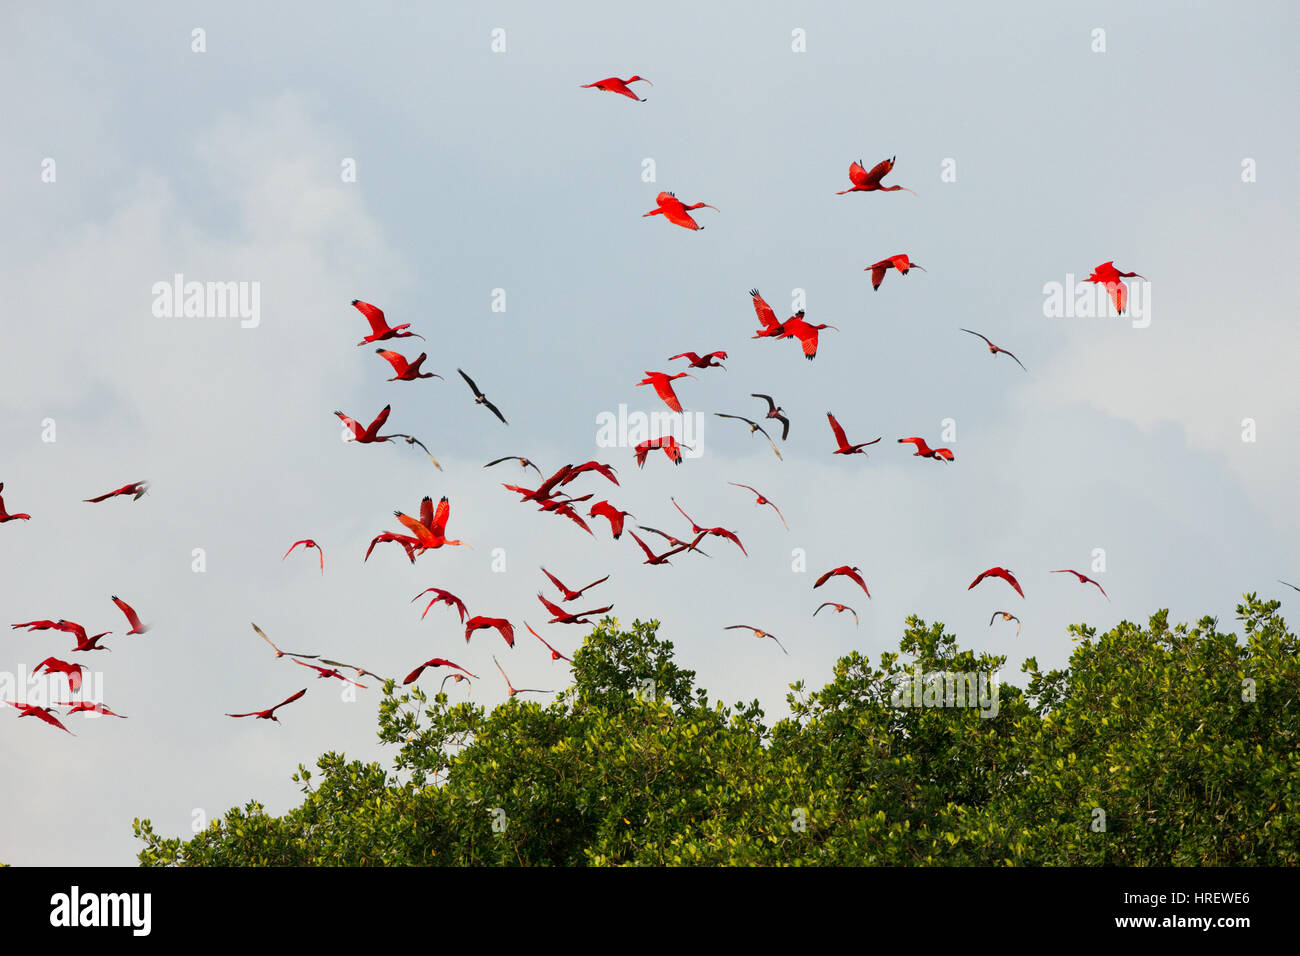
pixel 479 171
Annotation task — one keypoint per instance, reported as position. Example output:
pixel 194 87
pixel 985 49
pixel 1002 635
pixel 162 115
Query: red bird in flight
pixel 604 509
pixel 805 332
pixel 379 330
pixel 696 360
pixel 767 321
pixel 569 593
pixel 406 371
pixel 269 714
pixel 664 388
pixel 136 488
pixel 52 665
pixel 651 557
pixel 899 262
pixel 412 677
pixel 308 543
pixel 762 501
pixel 555 655
pixel 132 618
pixel 431 527
pixel 864 181
pixel 328 672
pixel 853 574
pixel 677 212
pixel 86 706
pixel 561 616
pixel 445 597
pixel 1106 274
pixel 925 451
pixel 842 440
pixel 697 529
pixel 1084 579
pixel 1002 573
pixel 612 84
pixel 500 623
pixel 575 470
pixel 6 516
pixel 40 713
pixel 667 442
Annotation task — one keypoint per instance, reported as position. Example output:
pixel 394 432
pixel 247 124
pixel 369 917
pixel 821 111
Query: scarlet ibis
pixel 431 527
pixel 406 371
pixel 852 573
pixel 86 706
pixel 408 543
pixel 379 330
pixel 136 488
pixel 995 349
pixel 606 470
pixel 775 411
pixel 899 262
pixel 513 690
pixel 1006 616
pixel 651 557
pixel 612 84
pixel 677 212
pixel 839 609
pixel 52 665
pixel 481 399
pixel 663 387
pixel 805 332
pixel 762 501
pixel 6 516
pixel 925 451
pixel 760 634
pixel 48 625
pixel 545 490
pixel 677 542
pixel 40 713
pixel 329 672
pixel 1106 274
pixel 696 361
pixel 667 442
pixel 701 530
pixel 84 643
pixel 269 713
pixel 279 653
pixel 842 440
pixel 767 321
pixel 412 677
pixel 444 597
pixel 132 618
pixel 561 616
pixel 359 671
pixel 604 509
pixel 1084 579
pixel 569 593
pixel 523 463
pixel 370 434
pixel 566 509
pixel 500 623
pixel 864 181
pixel 555 655
pixel 1002 573
pixel 308 543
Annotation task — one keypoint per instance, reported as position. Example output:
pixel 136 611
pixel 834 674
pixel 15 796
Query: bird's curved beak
pixel 915 266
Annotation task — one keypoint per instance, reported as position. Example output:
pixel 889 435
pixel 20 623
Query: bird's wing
pixel 764 311
pixel 495 411
pixel 840 437
pixel 378 324
pixel 470 382
pixel 395 359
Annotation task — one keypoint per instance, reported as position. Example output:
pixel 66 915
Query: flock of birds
pixel 427 531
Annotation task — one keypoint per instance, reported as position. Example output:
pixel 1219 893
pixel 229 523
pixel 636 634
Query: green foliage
pixel 1147 750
